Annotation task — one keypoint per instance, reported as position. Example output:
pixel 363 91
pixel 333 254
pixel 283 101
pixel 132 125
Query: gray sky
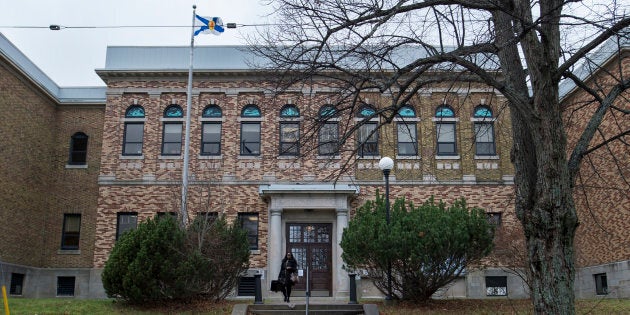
pixel 69 56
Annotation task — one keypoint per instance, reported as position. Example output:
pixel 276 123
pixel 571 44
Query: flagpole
pixel 187 134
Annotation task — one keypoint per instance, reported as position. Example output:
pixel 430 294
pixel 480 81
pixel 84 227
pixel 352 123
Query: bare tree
pixel 522 49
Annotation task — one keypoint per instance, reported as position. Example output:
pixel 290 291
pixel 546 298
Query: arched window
pixel 407 131
pixel 445 131
pixel 212 111
pixel 328 134
pixel 134 130
pixel 367 134
pixel 250 111
pixel 250 130
pixel 211 130
pixel 172 130
pixel 484 131
pixel 173 111
pixel 482 111
pixel 134 111
pixel 444 111
pixel 406 111
pixel 78 149
pixel 289 111
pixel 289 130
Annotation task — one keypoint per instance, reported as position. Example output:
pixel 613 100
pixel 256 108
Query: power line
pixel 56 27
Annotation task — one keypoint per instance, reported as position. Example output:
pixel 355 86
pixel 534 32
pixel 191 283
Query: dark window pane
pixel 407 139
pixel 78 149
pixel 17 283
pixel 446 139
pixel 172 143
pixel 249 222
pixel 126 222
pixel 368 140
pixel 65 286
pixel 211 139
pixel 289 136
pixel 250 139
pixel 133 139
pixel 601 284
pixel 71 231
pixel 328 139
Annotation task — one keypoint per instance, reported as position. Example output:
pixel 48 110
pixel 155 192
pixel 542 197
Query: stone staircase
pixel 319 308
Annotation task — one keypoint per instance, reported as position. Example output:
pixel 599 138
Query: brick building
pixel 108 158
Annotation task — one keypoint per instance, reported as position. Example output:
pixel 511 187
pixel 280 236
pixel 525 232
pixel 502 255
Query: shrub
pixel 162 261
pixel 428 246
pixel 143 265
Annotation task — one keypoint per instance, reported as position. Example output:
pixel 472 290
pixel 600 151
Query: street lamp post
pixel 386 164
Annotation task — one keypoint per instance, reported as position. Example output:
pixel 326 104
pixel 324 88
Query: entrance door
pixel 311 245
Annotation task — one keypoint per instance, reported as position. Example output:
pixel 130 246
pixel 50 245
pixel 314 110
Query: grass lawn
pixel 20 306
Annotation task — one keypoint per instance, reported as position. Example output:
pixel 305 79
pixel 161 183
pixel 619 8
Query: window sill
pixel 75 166
pixel 169 157
pixel 210 157
pixel 369 157
pixel 69 252
pixel 288 157
pixel 329 157
pixel 131 157
pixel 407 157
pixel 447 157
pixel 249 157
pixel 486 157
pixel 254 251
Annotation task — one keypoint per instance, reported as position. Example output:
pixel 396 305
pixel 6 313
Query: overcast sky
pixel 69 56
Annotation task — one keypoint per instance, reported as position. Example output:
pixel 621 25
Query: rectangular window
pixel 289 137
pixel 407 139
pixel 211 139
pixel 207 216
pixel 446 139
pixel 65 286
pixel 601 284
pixel 126 221
pixel 496 286
pixel 172 139
pixel 78 149
pixel 132 143
pixel 161 215
pixel 494 218
pixel 368 140
pixel 249 222
pixel 71 233
pixel 250 139
pixel 17 283
pixel 329 139
pixel 484 139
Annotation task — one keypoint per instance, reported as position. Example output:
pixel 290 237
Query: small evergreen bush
pixel 162 261
pixel 428 246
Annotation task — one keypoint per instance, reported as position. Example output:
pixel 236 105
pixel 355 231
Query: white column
pixel 342 282
pixel 274 251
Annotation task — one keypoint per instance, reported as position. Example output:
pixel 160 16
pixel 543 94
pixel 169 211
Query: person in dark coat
pixel 289 267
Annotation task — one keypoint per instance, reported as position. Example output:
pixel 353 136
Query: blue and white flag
pixel 208 25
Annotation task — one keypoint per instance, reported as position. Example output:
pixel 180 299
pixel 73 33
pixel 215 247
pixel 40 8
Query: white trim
pixel 447 157
pixel 131 157
pixel 445 119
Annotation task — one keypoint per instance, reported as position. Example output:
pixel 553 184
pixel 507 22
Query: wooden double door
pixel 311 245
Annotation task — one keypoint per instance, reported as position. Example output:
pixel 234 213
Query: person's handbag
pixel 276 286
pixel 295 278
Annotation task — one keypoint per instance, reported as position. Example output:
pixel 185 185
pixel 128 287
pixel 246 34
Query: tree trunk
pixel 544 203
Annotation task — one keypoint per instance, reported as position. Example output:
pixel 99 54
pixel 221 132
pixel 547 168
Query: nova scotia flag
pixel 208 25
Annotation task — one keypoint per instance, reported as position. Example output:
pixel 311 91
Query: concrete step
pixel 314 309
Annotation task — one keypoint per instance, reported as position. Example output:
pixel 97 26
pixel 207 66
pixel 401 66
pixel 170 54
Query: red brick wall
pixel 603 186
pixel 36 188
